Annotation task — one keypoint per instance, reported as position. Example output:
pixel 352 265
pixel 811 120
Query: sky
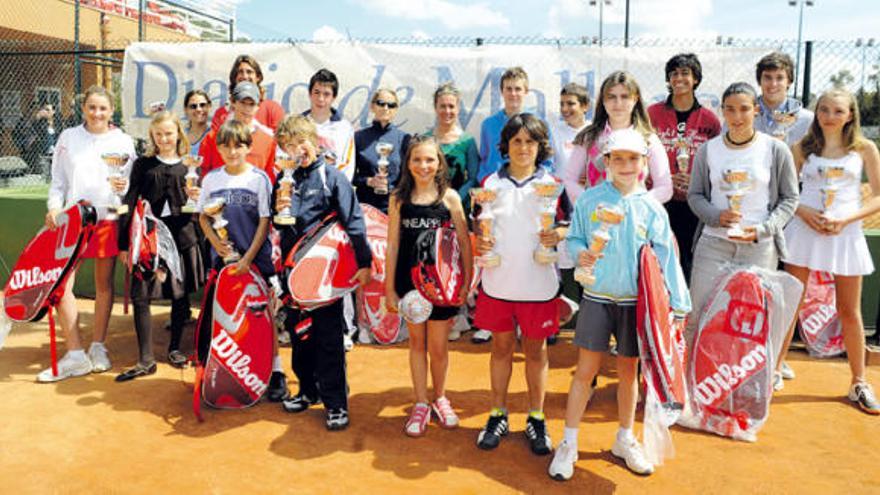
pixel 268 20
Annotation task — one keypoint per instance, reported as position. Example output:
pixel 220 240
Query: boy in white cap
pixel 609 301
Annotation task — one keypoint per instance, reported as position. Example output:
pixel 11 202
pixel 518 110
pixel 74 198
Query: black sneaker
pixel 337 419
pixel 299 403
pixel 539 440
pixel 551 340
pixel 490 435
pixel 277 387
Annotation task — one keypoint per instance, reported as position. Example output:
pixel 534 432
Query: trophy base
pixel 488 261
pixel 232 258
pixel 187 208
pixel 284 220
pixel 736 232
pixel 547 257
pixel 121 209
pixel 584 277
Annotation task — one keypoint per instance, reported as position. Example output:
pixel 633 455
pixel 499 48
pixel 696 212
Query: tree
pixel 842 79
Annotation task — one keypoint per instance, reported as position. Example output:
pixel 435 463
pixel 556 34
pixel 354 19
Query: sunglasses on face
pixel 386 104
pixel 194 106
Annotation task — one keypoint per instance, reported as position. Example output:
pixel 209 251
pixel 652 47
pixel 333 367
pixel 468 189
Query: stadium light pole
pixel 602 4
pixel 797 66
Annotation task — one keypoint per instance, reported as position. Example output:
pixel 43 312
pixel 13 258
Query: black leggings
pixel 143 326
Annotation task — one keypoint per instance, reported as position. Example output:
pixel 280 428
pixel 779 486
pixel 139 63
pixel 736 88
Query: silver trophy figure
pixel 115 162
pixel 384 150
pixel 192 163
pixel 831 182
pixel 485 223
pixel 608 216
pixel 683 156
pixel 736 184
pixel 285 187
pixel 214 209
pixel 783 120
pixel 547 195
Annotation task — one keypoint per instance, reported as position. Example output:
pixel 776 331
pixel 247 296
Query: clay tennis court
pixel 92 435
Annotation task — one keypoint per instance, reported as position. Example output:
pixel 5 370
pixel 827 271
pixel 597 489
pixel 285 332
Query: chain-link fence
pixel 40 80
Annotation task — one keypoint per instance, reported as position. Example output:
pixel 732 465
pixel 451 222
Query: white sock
pixel 79 354
pixel 97 344
pixel 276 364
pixel 570 436
pixel 625 434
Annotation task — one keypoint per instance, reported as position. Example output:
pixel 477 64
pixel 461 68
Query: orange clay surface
pixel 92 435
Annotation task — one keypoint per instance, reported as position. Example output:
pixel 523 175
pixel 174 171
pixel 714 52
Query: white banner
pixel 164 72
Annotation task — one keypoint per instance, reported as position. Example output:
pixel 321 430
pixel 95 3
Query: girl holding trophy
pixel 744 190
pixel 159 177
pixel 91 162
pixel 610 224
pixel 424 200
pixel 826 232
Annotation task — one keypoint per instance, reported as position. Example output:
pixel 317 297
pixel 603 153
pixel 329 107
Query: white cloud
pixel 450 14
pixel 420 35
pixel 328 33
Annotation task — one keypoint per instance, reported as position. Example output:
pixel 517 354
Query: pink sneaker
pixel 418 420
pixel 445 414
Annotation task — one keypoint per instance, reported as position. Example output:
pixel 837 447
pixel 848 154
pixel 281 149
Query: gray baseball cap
pixel 246 89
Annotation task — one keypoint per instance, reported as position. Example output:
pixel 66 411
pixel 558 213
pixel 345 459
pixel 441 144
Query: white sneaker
pixel 778 384
pixel 481 337
pixel 67 367
pixel 460 323
pixel 454 334
pixel 364 338
pixel 787 372
pixel 863 395
pixel 630 450
pixel 562 466
pixel 347 342
pixel 99 358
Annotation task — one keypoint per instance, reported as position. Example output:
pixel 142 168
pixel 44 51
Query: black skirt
pixel 150 288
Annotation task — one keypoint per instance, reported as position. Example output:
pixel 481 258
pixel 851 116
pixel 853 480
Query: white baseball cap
pixel 626 140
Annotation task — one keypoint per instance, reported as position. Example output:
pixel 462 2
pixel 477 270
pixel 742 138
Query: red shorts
pixel 103 243
pixel 537 320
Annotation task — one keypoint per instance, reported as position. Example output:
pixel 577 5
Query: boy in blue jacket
pixel 609 303
pixel 319 353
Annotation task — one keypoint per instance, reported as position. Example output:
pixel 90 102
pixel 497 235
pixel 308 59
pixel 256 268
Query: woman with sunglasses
pixel 197 107
pixel 371 182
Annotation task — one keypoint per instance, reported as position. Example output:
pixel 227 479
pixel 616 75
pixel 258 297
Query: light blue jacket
pixel 617 272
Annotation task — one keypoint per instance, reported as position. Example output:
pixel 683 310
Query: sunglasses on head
pixel 193 106
pixel 386 104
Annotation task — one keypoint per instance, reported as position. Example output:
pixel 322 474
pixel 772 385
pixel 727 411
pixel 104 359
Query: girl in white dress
pixel 826 232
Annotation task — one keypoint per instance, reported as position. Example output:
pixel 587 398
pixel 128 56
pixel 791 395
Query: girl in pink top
pixel 619 107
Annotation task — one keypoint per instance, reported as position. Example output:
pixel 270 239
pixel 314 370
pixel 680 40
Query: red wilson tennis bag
pixel 239 362
pixel 730 370
pixel 382 326
pixel 38 276
pixel 820 326
pixel 439 273
pixel 661 344
pixel 321 265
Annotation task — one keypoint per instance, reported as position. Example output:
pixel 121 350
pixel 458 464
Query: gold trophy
pixel 192 163
pixel 384 150
pixel 547 195
pixel 831 178
pixel 736 184
pixel 214 209
pixel 285 187
pixel 683 156
pixel 115 162
pixel 607 216
pixel 485 223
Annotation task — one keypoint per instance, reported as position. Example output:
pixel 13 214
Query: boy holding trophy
pixel 611 223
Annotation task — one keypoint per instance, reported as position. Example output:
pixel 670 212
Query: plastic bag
pixel 820 326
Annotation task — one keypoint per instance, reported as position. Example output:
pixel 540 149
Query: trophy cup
pixel 683 157
pixel 192 163
pixel 736 184
pixel 485 197
pixel 115 162
pixel 608 216
pixel 384 151
pixel 783 119
pixel 285 187
pixel 214 209
pixel 831 178
pixel 547 195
